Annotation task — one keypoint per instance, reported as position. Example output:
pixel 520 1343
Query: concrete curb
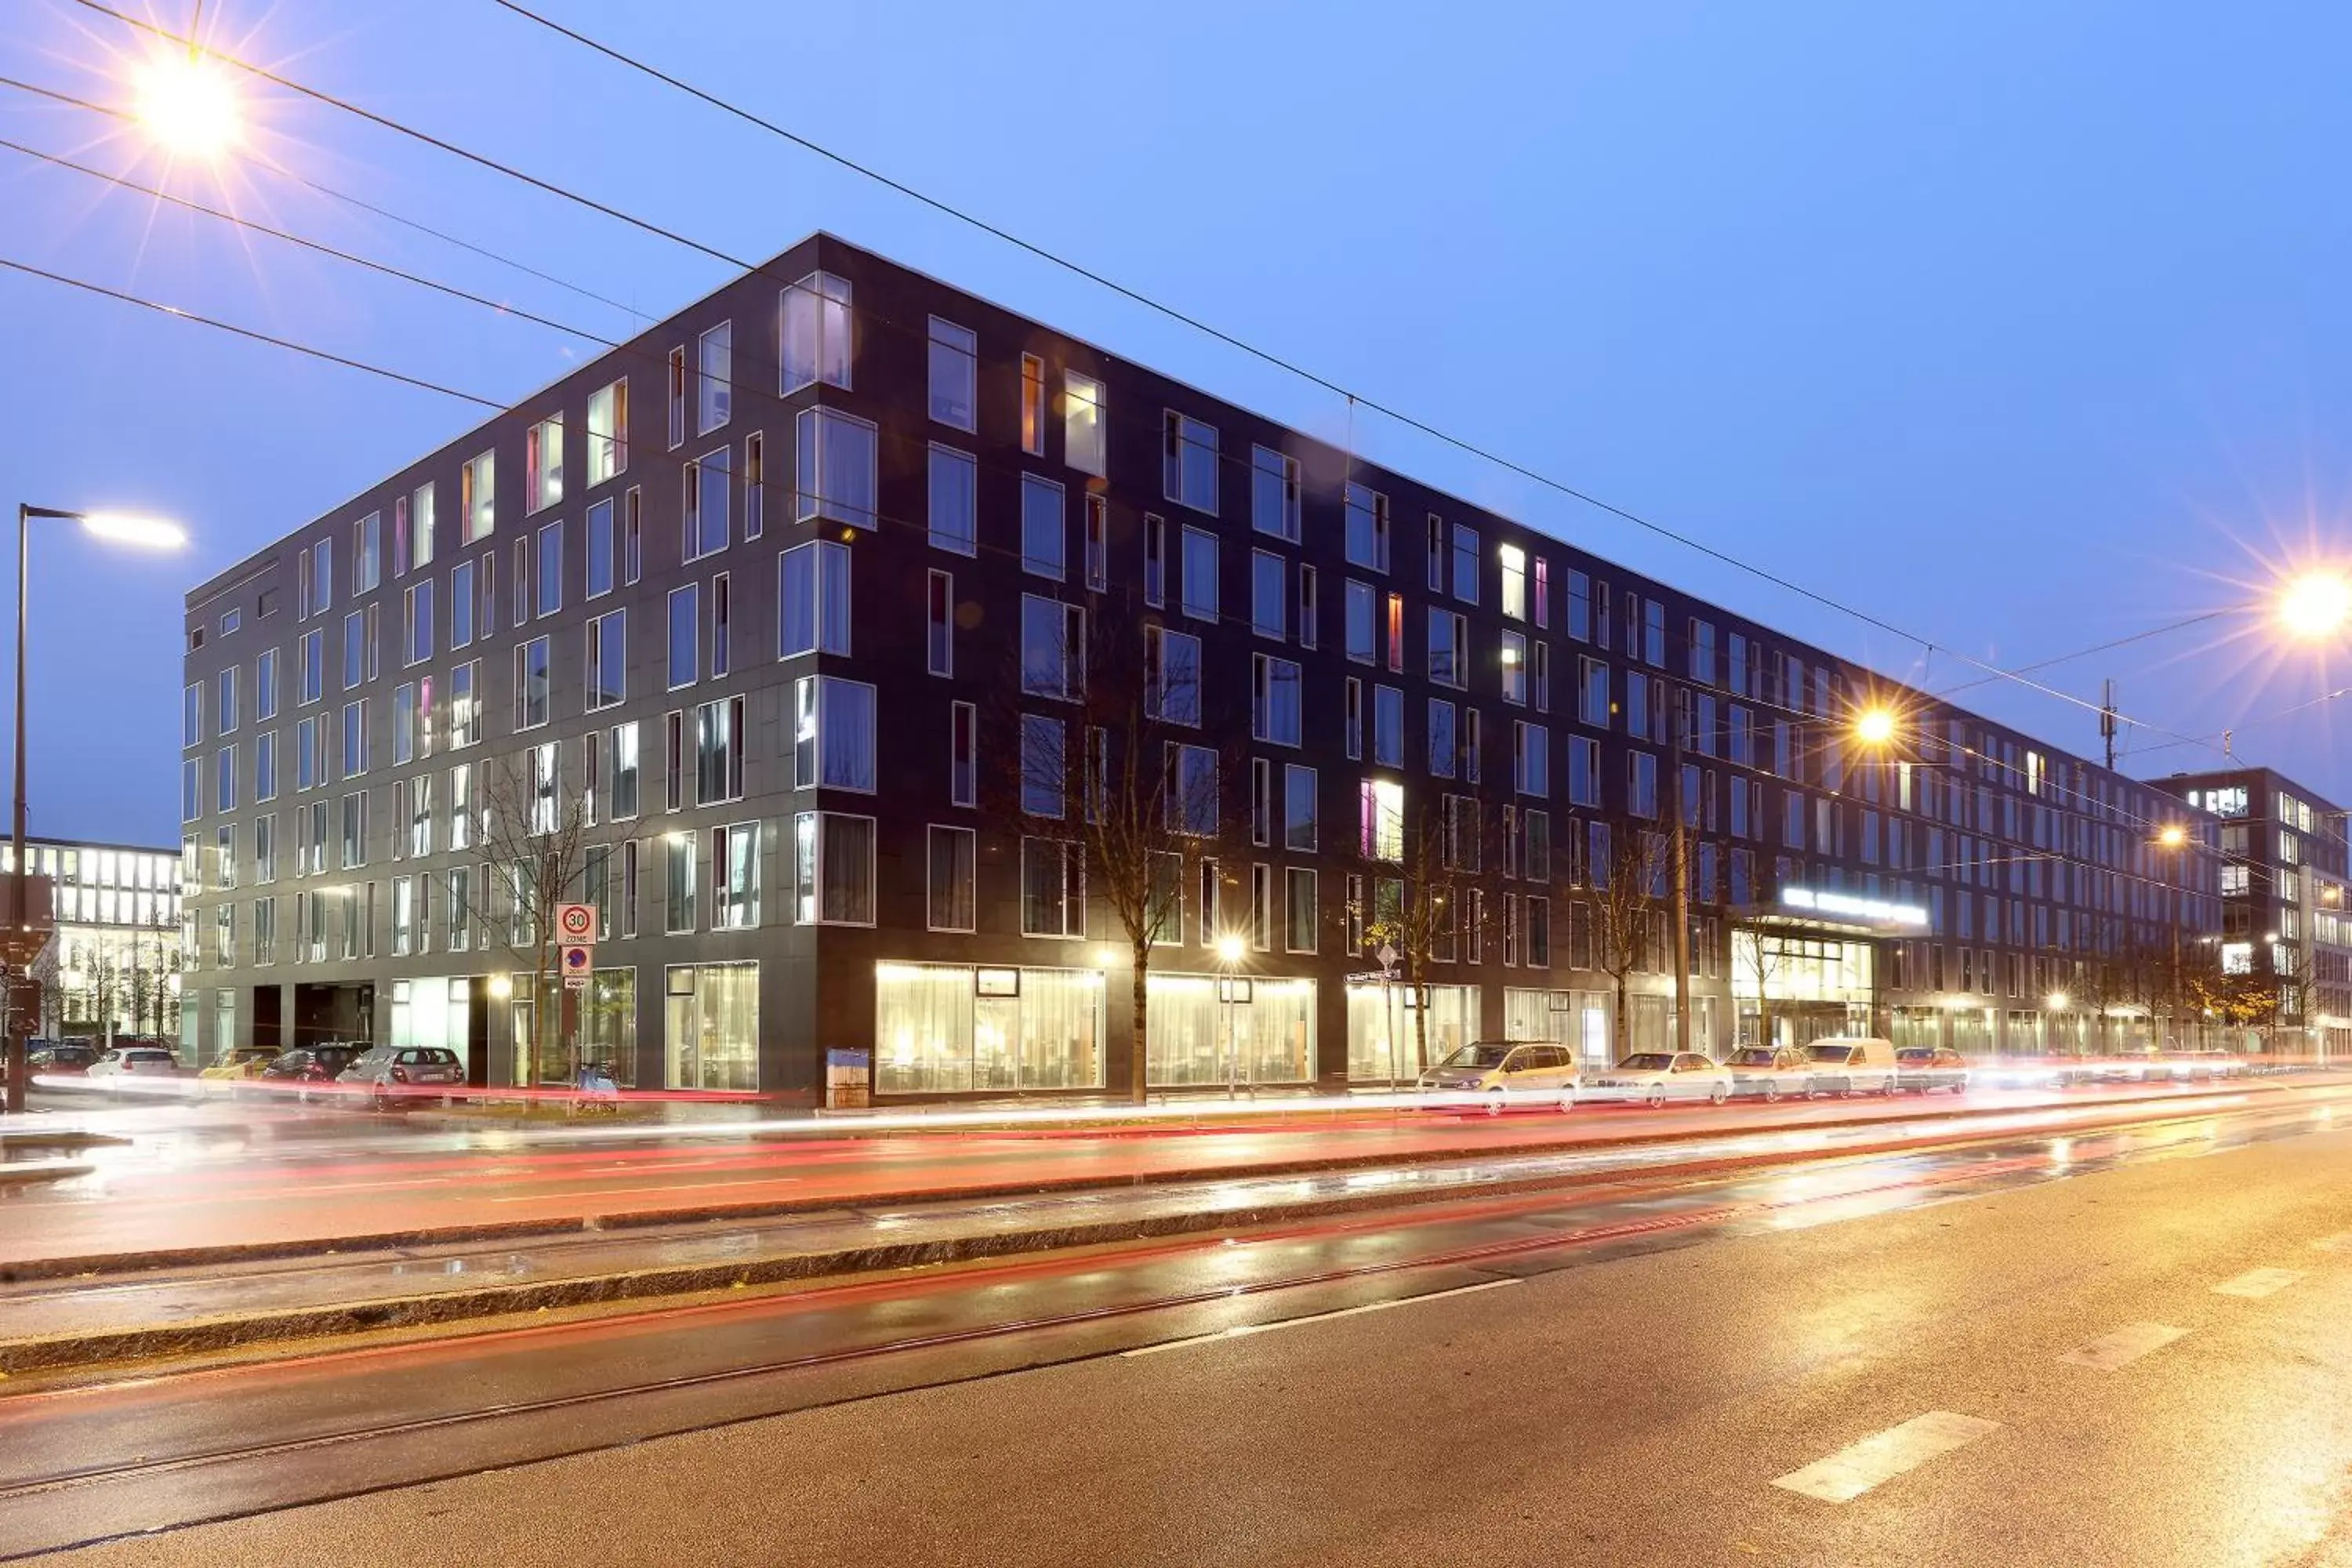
pixel 48 1140
pixel 156 1259
pixel 31 1170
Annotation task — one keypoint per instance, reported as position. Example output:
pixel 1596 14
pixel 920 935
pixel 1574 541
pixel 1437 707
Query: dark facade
pixel 2283 877
pixel 845 552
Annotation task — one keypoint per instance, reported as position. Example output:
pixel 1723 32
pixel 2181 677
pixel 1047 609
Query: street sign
pixel 579 962
pixel 1387 955
pixel 575 923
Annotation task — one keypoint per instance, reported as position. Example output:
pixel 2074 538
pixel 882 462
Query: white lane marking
pixel 1853 1470
pixel 2340 1242
pixel 2258 1282
pixel 2127 1345
pixel 1243 1330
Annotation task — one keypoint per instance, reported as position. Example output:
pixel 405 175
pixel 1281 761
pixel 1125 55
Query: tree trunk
pixel 1419 1023
pixel 1139 1072
pixel 1624 1022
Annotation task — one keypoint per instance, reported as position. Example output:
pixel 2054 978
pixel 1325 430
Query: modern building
pixel 112 966
pixel 674 597
pixel 2284 915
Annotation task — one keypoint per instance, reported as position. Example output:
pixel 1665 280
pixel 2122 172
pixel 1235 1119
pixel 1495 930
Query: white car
pixel 1769 1071
pixel 1852 1064
pixel 1504 1073
pixel 138 1061
pixel 1654 1077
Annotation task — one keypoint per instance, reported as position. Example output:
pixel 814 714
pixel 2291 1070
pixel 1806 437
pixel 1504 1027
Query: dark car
pixel 308 1065
pixel 399 1072
pixel 1926 1069
pixel 64 1059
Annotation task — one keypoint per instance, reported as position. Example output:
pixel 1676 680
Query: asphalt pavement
pixel 2118 1348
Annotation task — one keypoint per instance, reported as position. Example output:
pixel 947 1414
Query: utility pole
pixel 1682 875
pixel 2107 721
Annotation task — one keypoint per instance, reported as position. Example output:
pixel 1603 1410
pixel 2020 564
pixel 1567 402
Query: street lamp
pixel 145 533
pixel 1230 949
pixel 1875 727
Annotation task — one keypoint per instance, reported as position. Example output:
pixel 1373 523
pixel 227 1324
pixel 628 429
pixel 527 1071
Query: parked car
pixel 1654 1077
pixel 2208 1062
pixel 1506 1072
pixel 308 1065
pixel 1850 1064
pixel 2141 1064
pixel 240 1062
pixel 135 1061
pixel 398 1072
pixel 1928 1069
pixel 62 1058
pixel 1771 1071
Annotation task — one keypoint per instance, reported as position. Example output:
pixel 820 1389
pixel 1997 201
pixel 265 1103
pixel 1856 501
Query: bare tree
pixel 1125 759
pixel 1426 900
pixel 533 834
pixel 1631 911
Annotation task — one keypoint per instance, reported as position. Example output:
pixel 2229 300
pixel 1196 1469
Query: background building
pixel 113 964
pixel 659 613
pixel 2284 918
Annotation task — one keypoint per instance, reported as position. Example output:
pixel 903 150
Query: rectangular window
pixel 310 665
pixel 1514 667
pixel 1189 462
pixel 955 501
pixel 1396 632
pixel 608 432
pixel 1465 563
pixel 677 398
pixel 355 825
pixel 1387 726
pixel 550 567
pixel 1514 580
pixel 812 599
pixel 403 723
pixel 1298 808
pixel 1098 542
pixel 714 375
pixel 1474 747
pixel 1084 437
pixel 1171 675
pixel 623 793
pixel 735 876
pixel 834 467
pixel 954 860
pixel 356 743
pixel 1449 649
pixel 722 626
pixel 466 703
pixel 1269 595
pixel 1642 784
pixel 1530 759
pixel 264 765
pixel 832 733
pixel 225 700
pixel 597 547
pixel 478 487
pixel 1380 819
pixel 608 665
pixel 416 623
pixel 708 503
pixel 225 780
pixel 1275 711
pixel 1539 676
pixel 1355 695
pixel 461 604
pixel 1194 798
pixel 1368 529
pixel 1308 606
pixel 1044 528
pixel 1045 766
pixel 367 554
pixel 1363 619
pixel 679 867
pixel 1053 889
pixel 1436 554
pixel 685 634
pixel 963 764
pixel 816 332
pixel 1053 648
pixel 755 484
pixel 544 464
pixel 939 619
pixel 1274 494
pixel 521 596
pixel 1198 587
pixel 955 374
pixel 633 551
pixel 421 526
pixel 265 686
pixel 1443 741
pixel 532 684
pixel 1155 561
pixel 1032 406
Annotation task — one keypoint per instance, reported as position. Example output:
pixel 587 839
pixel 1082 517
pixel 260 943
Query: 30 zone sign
pixel 575 923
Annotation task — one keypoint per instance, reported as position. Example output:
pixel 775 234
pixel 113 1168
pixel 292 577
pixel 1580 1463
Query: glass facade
pixel 952 1029
pixel 1205 1030
pixel 713 1026
pixel 1384 1035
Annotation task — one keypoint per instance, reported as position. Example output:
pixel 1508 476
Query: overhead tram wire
pixel 2165 630
pixel 385 269
pixel 259 337
pixel 331 194
pixel 1459 443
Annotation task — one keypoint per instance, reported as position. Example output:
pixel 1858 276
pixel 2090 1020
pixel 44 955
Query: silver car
pixel 1769 1071
pixel 1654 1077
pixel 1504 1073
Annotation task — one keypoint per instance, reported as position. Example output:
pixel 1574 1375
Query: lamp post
pixel 1229 957
pixel 141 532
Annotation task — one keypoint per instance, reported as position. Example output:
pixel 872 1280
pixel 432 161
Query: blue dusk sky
pixel 2019 327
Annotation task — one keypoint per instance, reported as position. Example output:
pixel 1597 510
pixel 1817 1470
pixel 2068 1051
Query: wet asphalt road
pixel 1612 1375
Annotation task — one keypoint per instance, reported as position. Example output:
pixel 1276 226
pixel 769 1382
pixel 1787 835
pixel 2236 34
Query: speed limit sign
pixel 575 923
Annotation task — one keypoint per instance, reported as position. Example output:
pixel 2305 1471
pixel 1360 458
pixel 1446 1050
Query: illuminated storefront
pixel 1251 1029
pixel 1384 1039
pixel 954 1028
